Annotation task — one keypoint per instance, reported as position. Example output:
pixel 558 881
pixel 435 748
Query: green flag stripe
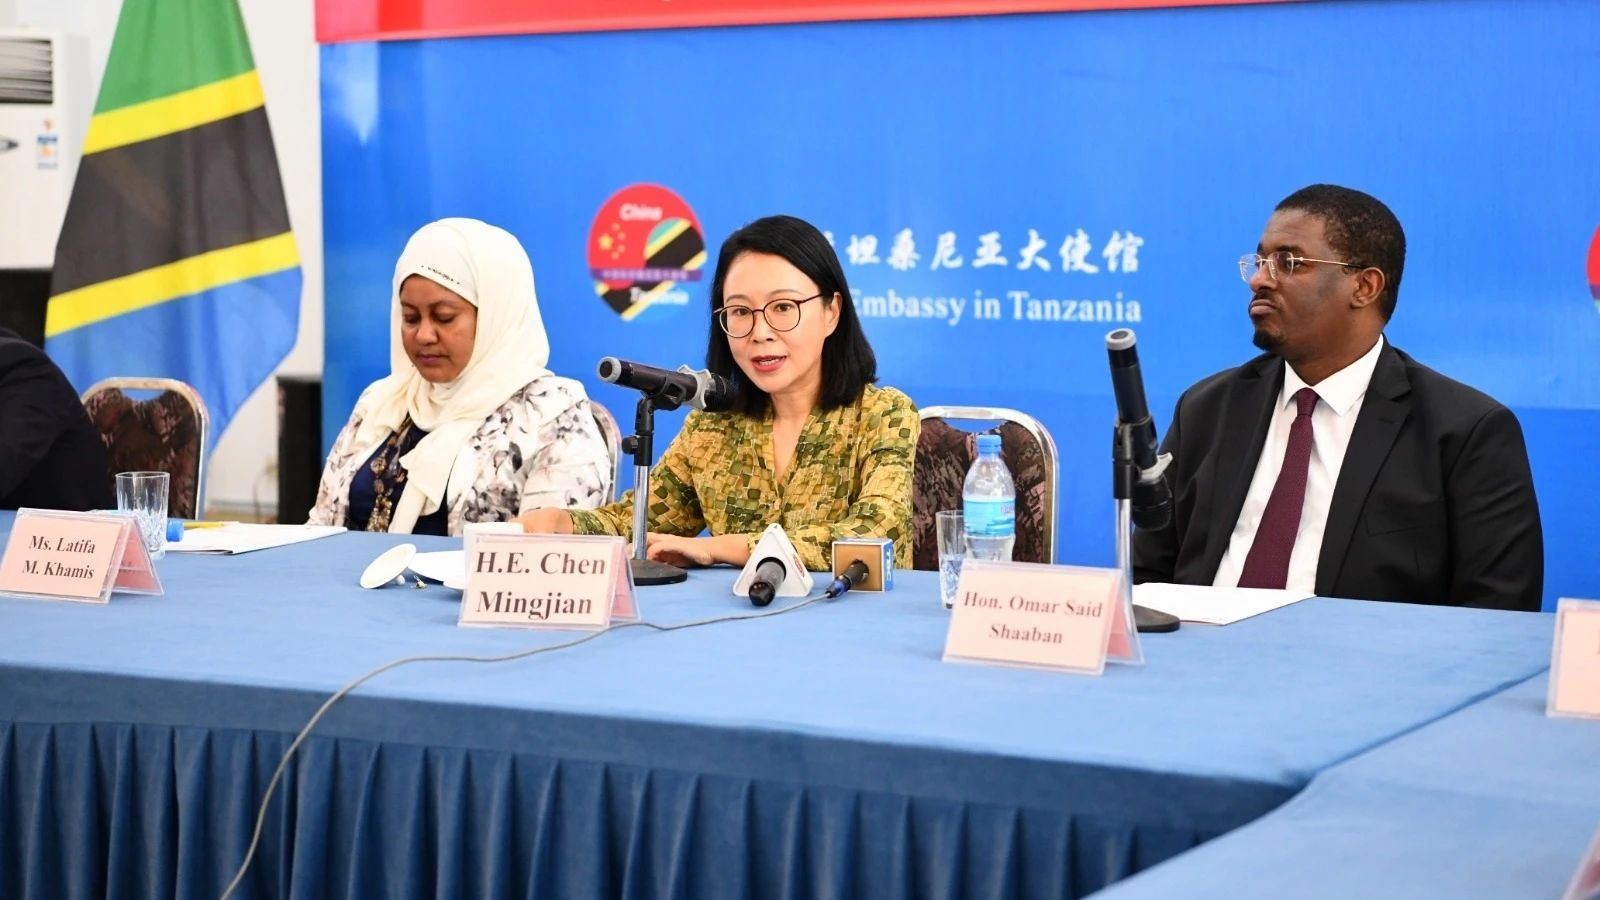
pixel 166 46
pixel 159 201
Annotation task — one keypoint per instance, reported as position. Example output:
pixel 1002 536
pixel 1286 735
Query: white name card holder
pixel 1586 881
pixel 558 582
pixel 75 556
pixel 775 544
pixel 1575 661
pixel 1058 618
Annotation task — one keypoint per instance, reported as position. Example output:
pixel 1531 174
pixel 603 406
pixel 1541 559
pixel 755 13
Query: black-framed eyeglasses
pixel 781 315
pixel 1282 261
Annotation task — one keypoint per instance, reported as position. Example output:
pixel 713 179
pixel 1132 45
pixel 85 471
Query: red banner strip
pixel 394 20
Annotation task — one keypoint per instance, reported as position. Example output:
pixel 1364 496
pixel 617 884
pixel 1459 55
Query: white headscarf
pixel 490 270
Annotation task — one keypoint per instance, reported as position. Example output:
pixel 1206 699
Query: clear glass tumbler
pixel 952 552
pixel 143 495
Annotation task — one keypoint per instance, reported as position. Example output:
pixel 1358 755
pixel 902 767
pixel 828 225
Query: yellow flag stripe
pixel 178 112
pixel 654 294
pixel 130 293
pixel 646 298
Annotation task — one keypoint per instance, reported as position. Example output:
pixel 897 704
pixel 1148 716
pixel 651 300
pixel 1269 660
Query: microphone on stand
pixel 1152 498
pixel 1139 467
pixel 667 390
pixel 701 390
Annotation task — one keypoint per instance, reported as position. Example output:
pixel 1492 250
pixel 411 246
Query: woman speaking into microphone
pixel 810 444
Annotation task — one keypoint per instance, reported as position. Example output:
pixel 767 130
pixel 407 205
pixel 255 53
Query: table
pixel 825 753
pixel 1496 801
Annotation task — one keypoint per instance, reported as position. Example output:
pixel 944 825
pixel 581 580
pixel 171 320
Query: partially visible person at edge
pixel 469 426
pixel 811 444
pixel 51 456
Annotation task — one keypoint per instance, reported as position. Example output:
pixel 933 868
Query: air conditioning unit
pixel 45 105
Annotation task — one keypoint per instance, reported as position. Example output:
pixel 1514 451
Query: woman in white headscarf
pixel 469 426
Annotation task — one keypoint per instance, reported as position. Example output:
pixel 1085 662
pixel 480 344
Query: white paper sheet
pixel 1212 605
pixel 240 538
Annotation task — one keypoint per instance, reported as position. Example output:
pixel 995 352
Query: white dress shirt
pixel 1333 419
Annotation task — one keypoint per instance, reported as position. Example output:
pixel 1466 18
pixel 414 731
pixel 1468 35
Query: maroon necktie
pixel 1267 566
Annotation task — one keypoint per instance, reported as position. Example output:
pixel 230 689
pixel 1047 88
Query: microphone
pixel 853 575
pixel 1152 498
pixel 774 569
pixel 862 564
pixel 770 574
pixel 701 390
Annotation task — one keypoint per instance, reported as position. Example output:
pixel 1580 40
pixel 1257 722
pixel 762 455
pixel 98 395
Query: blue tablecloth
pixel 1495 802
pixel 824 753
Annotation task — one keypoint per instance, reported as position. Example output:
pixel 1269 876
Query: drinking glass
pixel 143 495
pixel 952 552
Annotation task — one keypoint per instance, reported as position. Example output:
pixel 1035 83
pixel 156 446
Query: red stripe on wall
pixel 390 20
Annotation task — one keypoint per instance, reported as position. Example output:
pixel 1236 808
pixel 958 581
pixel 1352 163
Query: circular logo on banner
pixel 644 246
pixel 1594 268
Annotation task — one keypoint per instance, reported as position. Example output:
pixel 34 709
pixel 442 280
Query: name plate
pixel 1575 661
pixel 548 581
pixel 82 557
pixel 1586 881
pixel 1043 617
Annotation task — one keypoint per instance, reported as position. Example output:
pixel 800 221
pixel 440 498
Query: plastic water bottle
pixel 989 503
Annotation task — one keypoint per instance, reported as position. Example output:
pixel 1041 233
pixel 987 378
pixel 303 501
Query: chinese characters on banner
pixel 1120 253
pixel 901 255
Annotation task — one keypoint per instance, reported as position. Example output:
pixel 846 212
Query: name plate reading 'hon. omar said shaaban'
pixel 1036 616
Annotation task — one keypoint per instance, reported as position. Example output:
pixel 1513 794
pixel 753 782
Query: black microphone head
pixel 761 593
pixel 719 394
pixel 1122 347
pixel 769 575
pixel 1152 505
pixel 855 573
pixel 610 369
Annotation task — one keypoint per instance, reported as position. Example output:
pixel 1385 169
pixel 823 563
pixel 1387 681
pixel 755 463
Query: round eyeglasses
pixel 1281 261
pixel 781 315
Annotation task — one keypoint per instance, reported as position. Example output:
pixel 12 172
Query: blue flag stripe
pixel 223 342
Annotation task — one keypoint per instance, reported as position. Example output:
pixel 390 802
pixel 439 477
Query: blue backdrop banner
pixel 1003 191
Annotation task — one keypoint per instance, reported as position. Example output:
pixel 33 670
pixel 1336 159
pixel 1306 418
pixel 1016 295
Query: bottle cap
pixel 988 443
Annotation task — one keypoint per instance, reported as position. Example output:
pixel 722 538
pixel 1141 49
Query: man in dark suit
pixel 51 456
pixel 1335 464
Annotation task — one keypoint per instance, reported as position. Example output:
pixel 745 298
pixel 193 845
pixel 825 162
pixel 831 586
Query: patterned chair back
pixel 945 453
pixel 613 438
pixel 165 433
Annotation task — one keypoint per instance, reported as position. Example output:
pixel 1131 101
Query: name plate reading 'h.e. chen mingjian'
pixel 1046 617
pixel 548 581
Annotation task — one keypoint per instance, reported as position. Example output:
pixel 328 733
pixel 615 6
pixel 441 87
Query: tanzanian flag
pixel 176 259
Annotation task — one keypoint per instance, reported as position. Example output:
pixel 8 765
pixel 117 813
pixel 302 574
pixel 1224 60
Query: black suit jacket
pixel 1434 502
pixel 51 456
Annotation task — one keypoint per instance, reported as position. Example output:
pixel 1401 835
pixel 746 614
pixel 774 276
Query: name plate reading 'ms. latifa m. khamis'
pixel 77 556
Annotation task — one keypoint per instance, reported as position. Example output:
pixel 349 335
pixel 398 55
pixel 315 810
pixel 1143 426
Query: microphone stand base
pixel 648 572
pixel 1153 621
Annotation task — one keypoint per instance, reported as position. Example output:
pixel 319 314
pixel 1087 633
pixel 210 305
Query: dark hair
pixel 848 364
pixel 1361 230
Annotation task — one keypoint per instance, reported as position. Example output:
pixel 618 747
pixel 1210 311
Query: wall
pixel 282 37
pixel 1178 129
